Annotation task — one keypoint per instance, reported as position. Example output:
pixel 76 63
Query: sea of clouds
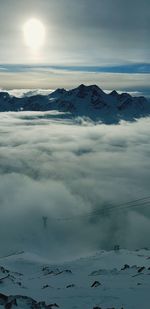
pixel 20 93
pixel 69 171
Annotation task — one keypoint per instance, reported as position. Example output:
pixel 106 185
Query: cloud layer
pixel 70 173
pixel 66 78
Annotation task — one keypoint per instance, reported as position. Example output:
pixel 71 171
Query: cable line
pixel 145 201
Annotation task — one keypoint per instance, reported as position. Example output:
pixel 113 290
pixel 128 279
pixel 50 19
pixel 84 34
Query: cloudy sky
pixel 86 41
pixel 71 178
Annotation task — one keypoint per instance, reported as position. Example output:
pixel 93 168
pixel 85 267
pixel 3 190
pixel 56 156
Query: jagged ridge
pixel 89 101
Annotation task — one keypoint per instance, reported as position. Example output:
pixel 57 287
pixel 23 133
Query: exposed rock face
pixel 56 271
pixel 126 266
pixel 141 269
pixel 3 299
pixel 10 302
pixel 70 286
pixel 95 284
pixel 88 101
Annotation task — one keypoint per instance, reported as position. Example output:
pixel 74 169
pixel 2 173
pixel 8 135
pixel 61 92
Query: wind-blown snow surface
pixel 103 280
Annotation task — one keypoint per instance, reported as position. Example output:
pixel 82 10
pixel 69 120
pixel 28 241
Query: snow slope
pixel 106 279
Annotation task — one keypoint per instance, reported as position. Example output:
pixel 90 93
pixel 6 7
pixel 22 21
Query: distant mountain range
pixel 84 101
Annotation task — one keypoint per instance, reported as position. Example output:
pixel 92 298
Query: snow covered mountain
pixel 104 280
pixel 88 101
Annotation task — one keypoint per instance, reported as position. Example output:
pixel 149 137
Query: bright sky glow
pixel 53 44
pixel 34 34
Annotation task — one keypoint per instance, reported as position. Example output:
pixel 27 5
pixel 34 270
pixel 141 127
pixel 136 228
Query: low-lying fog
pixel 68 172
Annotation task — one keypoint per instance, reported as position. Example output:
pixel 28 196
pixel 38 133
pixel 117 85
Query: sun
pixel 34 34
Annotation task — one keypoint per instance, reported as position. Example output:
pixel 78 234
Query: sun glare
pixel 34 34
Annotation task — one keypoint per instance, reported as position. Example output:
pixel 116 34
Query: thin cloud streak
pixel 59 78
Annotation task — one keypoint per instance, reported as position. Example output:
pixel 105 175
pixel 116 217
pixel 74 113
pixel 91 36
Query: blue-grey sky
pixel 91 41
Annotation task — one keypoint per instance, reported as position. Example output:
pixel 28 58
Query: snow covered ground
pixel 106 279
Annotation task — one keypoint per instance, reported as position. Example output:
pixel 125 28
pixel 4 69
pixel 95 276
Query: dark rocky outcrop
pixel 141 269
pixel 126 266
pixel 19 301
pixel 95 284
pixel 70 286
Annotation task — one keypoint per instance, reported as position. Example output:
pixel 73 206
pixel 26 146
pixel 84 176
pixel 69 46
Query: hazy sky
pixel 82 37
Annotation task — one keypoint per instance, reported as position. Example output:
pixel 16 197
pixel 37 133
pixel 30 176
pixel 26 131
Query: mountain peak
pixel 58 92
pixel 114 93
pixel 82 91
pixel 82 86
pixel 88 87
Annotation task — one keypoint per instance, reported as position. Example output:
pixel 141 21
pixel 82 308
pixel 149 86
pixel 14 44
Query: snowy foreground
pixel 107 279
